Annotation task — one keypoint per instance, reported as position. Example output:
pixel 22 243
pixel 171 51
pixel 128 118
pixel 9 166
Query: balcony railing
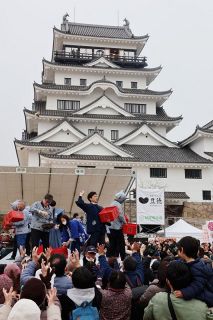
pixel 80 58
pixel 39 106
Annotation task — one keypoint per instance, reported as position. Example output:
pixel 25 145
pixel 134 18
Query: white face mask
pixel 64 223
pixel 90 259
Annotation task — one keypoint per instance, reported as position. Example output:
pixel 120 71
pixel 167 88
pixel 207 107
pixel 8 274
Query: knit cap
pixel 25 309
pixel 34 289
pixel 6 283
pixel 120 196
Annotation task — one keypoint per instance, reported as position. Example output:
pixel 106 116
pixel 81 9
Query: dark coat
pixel 92 211
pixel 201 286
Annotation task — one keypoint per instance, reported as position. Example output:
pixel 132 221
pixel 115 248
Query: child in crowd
pixel 201 286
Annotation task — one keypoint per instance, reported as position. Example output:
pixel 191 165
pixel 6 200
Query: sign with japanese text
pixel 150 206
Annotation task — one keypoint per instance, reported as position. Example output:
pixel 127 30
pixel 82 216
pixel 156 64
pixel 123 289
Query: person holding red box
pixel 116 237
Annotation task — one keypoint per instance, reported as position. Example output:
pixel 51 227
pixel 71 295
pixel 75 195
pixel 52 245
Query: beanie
pixel 120 196
pixel 25 309
pixel 34 289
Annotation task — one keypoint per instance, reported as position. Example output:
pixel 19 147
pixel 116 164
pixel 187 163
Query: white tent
pixel 181 229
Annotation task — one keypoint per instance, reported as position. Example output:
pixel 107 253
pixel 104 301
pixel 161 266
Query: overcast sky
pixel 181 40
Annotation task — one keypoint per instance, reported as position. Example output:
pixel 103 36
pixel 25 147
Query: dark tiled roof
pixel 209 154
pixel 159 116
pixel 43 143
pixel 147 153
pixel 144 153
pixel 102 137
pixel 208 125
pixel 92 30
pixel 202 129
pixel 57 125
pixel 84 66
pixel 86 88
pixel 135 130
pixel 176 195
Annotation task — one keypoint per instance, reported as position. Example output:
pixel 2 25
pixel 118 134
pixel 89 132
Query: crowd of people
pixel 105 275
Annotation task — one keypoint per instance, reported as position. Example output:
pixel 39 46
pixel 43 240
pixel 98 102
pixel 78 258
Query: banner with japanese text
pixel 150 206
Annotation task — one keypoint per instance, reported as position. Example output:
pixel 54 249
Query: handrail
pixel 86 56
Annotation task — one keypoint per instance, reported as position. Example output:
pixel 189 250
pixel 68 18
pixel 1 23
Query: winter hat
pixel 34 289
pixel 120 196
pixel 5 282
pixel 12 270
pixel 25 309
pixel 14 204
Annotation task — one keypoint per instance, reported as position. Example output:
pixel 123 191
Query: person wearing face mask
pixel 65 230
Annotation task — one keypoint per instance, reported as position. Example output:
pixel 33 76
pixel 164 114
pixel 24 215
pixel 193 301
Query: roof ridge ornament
pixel 126 23
pixel 65 23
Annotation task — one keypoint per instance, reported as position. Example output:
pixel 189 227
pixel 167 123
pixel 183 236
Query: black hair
pixel 82 278
pixel 178 275
pixel 91 194
pixel 58 262
pixel 66 218
pixel 48 197
pixel 53 203
pixel 117 280
pixel 190 246
pixel 129 264
pixel 162 270
pixel 75 215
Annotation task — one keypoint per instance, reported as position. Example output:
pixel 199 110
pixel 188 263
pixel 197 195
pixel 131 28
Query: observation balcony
pixel 82 58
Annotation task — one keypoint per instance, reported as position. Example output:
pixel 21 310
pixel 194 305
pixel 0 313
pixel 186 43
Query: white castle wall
pixel 176 181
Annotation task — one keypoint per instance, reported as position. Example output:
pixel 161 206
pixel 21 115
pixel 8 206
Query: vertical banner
pixel 150 206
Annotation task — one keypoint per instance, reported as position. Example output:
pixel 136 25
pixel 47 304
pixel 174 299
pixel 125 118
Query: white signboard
pixel 150 206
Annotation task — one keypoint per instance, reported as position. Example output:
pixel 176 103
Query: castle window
pixel 67 81
pixel 158 173
pixel 207 195
pixel 83 82
pixel 119 84
pixel 114 134
pixel 134 85
pixel 193 173
pixel 135 108
pixel 68 105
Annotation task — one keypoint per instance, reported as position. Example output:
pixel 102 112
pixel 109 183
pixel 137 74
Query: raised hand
pixel 101 249
pixel 51 296
pixel 8 296
pixel 81 193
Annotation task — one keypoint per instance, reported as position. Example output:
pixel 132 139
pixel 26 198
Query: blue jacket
pixel 92 211
pixel 65 233
pixel 136 278
pixel 76 228
pixel 201 286
pixel 62 284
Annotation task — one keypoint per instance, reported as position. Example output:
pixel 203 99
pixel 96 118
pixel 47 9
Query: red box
pixel 62 250
pixel 109 214
pixel 130 229
pixel 15 216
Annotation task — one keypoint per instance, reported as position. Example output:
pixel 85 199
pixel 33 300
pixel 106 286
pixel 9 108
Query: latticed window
pixel 207 195
pixel 68 105
pixel 114 134
pixel 193 173
pixel 158 173
pixel 135 108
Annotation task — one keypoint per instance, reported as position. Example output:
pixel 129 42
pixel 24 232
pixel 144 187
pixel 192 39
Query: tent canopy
pixel 181 229
pixel 63 183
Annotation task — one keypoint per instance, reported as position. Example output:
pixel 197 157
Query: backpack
pixel 85 312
